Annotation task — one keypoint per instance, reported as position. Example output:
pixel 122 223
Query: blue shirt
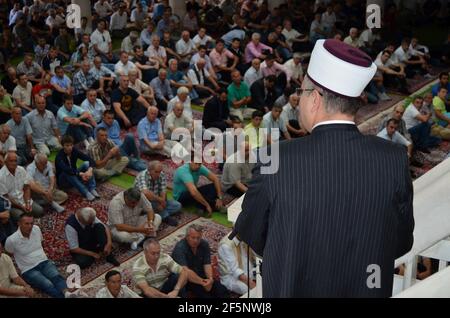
pixel 236 33
pixel 113 131
pixel 62 82
pixel 149 130
pixel 184 175
pixel 63 113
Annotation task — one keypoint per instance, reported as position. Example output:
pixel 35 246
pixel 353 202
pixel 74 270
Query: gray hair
pixel 194 227
pixel 87 213
pixel 256 36
pixel 334 103
pixel 172 60
pixel 182 90
pixel 156 37
pixel 152 165
pixel 40 157
pixel 149 242
pixel 132 194
pixel 162 70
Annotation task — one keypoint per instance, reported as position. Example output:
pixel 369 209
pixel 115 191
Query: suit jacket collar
pixel 335 127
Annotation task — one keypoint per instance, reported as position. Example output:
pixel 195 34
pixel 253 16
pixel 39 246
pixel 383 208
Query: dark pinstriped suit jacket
pixel 339 202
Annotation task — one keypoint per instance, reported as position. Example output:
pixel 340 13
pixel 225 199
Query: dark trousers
pixel 4 117
pixel 421 137
pixel 235 192
pixel 169 285
pixel 97 244
pixel 51 106
pixel 134 115
pixel 395 81
pixel 6 229
pixel 294 124
pixel 207 191
pixel 23 154
pixel 217 291
pixel 161 104
pixel 148 75
pixel 79 133
pixel 222 125
pixel 78 99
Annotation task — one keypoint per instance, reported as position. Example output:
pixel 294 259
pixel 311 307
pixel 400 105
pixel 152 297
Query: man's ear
pixel 317 101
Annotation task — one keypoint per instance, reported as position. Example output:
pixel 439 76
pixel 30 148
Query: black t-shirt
pixel 182 254
pixel 141 60
pixel 8 84
pixel 46 61
pixel 127 100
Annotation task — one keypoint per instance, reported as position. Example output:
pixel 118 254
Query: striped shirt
pixel 156 279
pixel 97 151
pixel 145 182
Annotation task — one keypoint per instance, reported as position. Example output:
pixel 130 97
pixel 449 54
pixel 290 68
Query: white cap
pixel 340 68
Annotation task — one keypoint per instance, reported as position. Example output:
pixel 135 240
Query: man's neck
pixel 24 235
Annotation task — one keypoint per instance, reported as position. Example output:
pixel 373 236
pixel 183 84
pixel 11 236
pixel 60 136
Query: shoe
pixel 135 244
pixel 86 144
pixel 57 207
pixel 90 197
pixel 76 294
pixel 111 259
pixel 95 193
pixel 170 221
pixel 384 97
pixel 428 76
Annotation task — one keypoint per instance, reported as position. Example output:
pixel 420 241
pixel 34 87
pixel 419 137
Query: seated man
pixel 21 131
pixel 255 131
pixel 162 89
pixel 152 184
pixel 129 42
pixel 237 171
pixel 295 68
pixel 253 73
pixel 177 120
pixel 83 81
pixel 419 127
pixel 108 160
pixel 147 66
pixel 73 121
pixel 220 58
pixel 22 93
pixel 43 185
pixel 412 63
pixel 204 83
pixel 186 190
pixel 157 275
pixel 7 143
pixel 129 106
pixel 45 133
pixel 441 116
pixel 177 78
pixel 37 270
pixel 151 137
pixel 239 97
pixel 6 105
pixel 7 226
pixel 30 68
pixel 216 112
pixel 15 186
pixel 67 173
pixel 88 238
pixel 185 47
pixel 233 265
pixel 443 83
pixel 131 218
pixel 390 133
pixel 392 71
pixel 201 54
pixel 104 77
pixel 194 253
pixel 291 117
pixel 397 114
pixel 125 65
pixel 282 75
pixel 114 288
pixel 183 98
pixel 62 86
pixel 127 146
pixel 141 88
pixel 273 120
pixel 11 284
pixel 263 93
pixel 93 105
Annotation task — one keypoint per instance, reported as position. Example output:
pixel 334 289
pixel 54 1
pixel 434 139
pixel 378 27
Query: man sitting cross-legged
pixel 114 287
pixel 390 133
pixel 89 239
pixel 194 253
pixel 108 160
pixel 157 275
pixel 131 218
pixel 152 184
pixel 43 185
pixel 127 145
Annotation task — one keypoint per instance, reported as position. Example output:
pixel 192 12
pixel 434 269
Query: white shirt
pixel 334 122
pixel 396 138
pixel 229 258
pixel 410 115
pixel 101 39
pixel 138 16
pixel 173 122
pixel 8 145
pixel 96 110
pixel 415 50
pixel 28 252
pixel 328 20
pixel 187 109
pixel 201 41
pixel 118 22
pixel 368 37
pixel 252 75
pixel 185 47
pixel 102 9
pixel 43 178
pixel 401 55
pixel 128 46
pixel 123 69
pixel 12 185
pixel 23 93
pixel 125 292
pixel 296 71
pixel 153 52
pixel 290 35
pixel 290 113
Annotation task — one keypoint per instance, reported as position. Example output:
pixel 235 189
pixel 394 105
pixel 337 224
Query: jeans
pixel 46 277
pixel 421 137
pixel 172 207
pixel 129 149
pixel 169 285
pixel 79 133
pixel 68 181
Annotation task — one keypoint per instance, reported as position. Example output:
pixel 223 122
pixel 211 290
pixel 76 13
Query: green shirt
pixel 439 105
pixel 255 135
pixel 6 103
pixel 236 94
pixel 184 175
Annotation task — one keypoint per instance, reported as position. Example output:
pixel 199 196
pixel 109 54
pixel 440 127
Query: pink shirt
pixel 276 69
pixel 252 51
pixel 220 59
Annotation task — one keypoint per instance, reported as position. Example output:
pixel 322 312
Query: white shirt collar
pixel 335 122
